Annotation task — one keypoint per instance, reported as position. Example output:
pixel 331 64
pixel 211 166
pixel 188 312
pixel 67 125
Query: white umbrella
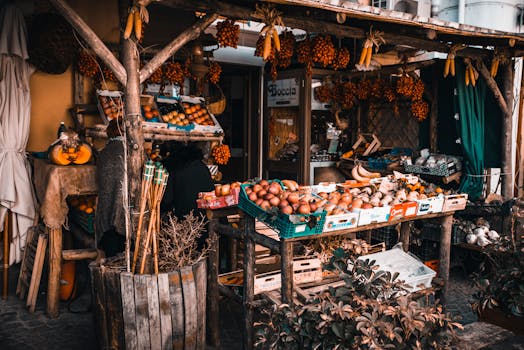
pixel 16 190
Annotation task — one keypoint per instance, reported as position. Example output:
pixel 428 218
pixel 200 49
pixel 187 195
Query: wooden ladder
pixel 32 265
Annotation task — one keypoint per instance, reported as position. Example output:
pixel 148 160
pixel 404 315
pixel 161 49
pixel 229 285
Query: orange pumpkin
pixel 67 278
pixel 77 155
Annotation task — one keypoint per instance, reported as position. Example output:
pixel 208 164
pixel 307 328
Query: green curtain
pixel 470 103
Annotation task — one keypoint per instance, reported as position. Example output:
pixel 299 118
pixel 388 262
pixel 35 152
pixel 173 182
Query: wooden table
pixel 284 247
pixel 54 183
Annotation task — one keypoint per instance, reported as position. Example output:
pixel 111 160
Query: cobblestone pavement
pixel 20 329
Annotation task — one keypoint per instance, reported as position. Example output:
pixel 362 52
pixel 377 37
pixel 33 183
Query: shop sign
pixel 283 93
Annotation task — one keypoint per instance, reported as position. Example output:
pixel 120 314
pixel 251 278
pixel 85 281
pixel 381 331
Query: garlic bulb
pixel 479 232
pixel 483 241
pixel 471 238
pixel 492 234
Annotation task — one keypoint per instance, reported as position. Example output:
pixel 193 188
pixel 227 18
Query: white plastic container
pixel 411 270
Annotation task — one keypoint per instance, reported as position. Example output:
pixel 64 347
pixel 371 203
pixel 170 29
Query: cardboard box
pixel 403 210
pixel 430 205
pixel 341 221
pixel 455 202
pixel 373 216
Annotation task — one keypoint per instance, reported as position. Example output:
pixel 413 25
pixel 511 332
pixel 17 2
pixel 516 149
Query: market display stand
pixel 284 247
pixel 54 183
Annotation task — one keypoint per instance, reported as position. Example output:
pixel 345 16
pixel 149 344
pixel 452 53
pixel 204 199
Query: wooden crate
pixel 167 311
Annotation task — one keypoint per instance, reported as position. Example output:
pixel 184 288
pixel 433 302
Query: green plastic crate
pixel 312 224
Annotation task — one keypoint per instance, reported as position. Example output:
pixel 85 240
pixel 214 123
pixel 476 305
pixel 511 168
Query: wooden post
pixel 286 253
pixel 433 116
pixel 520 142
pixel 213 316
pixel 507 179
pixel 445 249
pixel 55 265
pixel 405 228
pixel 133 125
pixel 249 281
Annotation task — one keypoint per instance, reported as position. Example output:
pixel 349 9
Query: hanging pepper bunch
pixel 342 58
pixel 419 109
pixel 87 64
pixel 377 89
pixel 214 73
pixel 221 154
pixel 287 47
pixel 228 33
pixel 323 50
pixel 108 73
pixel 304 54
pixel 174 73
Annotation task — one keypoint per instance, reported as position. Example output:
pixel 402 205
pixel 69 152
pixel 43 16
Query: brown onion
pixel 265 205
pixel 261 193
pixel 304 209
pixel 253 196
pixel 293 198
pixel 256 188
pixel 275 201
pixel 287 210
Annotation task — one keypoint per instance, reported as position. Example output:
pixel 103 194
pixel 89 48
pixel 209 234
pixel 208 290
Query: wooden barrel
pixel 167 311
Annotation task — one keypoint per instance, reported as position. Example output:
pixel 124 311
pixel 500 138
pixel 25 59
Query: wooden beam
pixel 492 85
pixel 186 36
pixel 319 26
pixel 79 254
pixel 433 116
pixel 507 123
pixel 92 39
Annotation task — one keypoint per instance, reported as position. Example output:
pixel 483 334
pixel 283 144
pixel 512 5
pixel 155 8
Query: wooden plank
pixel 142 312
pixel 127 290
pixel 115 321
pixel 405 229
pixel 99 304
pixel 55 266
pixel 433 116
pixel 249 281
pixel 22 284
pixel 165 311
pixel 177 309
pixel 507 189
pixel 445 250
pixel 36 275
pixel 154 312
pixel 213 316
pixel 190 307
pixel 199 271
pixel 79 254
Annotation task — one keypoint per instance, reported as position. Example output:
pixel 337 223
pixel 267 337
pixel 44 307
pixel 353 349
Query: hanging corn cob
pixel 374 38
pixel 271 17
pixel 137 16
pixel 471 75
pixel 449 67
pixel 499 57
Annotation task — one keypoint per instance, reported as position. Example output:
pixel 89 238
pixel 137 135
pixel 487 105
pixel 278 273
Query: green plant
pixel 370 311
pixel 501 277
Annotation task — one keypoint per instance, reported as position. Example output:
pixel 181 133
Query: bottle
pixel 61 129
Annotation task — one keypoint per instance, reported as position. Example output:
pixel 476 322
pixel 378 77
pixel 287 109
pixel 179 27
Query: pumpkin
pixel 69 149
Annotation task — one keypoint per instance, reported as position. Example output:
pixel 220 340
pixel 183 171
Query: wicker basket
pixel 216 106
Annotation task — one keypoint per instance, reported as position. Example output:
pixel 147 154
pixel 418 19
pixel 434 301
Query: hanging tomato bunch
pixel 87 64
pixel 221 154
pixel 214 73
pixel 228 33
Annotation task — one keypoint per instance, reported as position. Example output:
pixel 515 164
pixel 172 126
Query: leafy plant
pixel 370 311
pixel 501 277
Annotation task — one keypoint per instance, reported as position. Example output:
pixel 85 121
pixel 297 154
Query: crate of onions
pixel 282 206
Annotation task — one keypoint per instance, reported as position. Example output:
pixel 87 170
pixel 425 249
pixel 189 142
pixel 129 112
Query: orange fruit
pixel 89 210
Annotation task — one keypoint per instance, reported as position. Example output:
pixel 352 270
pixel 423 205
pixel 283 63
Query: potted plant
pixel 500 282
pixel 370 311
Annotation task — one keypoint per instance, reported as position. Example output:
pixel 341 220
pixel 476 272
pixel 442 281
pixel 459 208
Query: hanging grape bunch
pixel 363 90
pixel 405 85
pixel 287 46
pixel 87 65
pixel 304 54
pixel 342 58
pixel 214 73
pixel 221 154
pixel 174 73
pixel 377 89
pixel 323 50
pixel 228 33
pixel 418 90
pixel 420 110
